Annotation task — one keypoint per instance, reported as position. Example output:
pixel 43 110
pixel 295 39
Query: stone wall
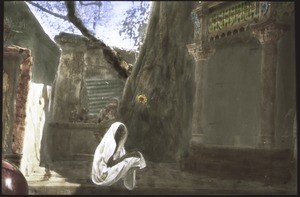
pixel 23 29
pixel 61 90
pixel 286 87
pixel 81 60
pixel 272 167
pixel 37 113
pixel 232 95
pixel 68 91
pixel 28 33
pixel 246 97
pixel 72 134
pixel 11 65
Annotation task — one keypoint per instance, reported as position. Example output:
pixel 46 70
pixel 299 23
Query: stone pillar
pixel 68 87
pixel 199 15
pixel 201 55
pixel 15 100
pixel 200 51
pixel 268 34
pixel 11 71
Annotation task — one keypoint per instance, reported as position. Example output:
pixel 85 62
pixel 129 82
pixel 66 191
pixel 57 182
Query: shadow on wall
pixel 68 150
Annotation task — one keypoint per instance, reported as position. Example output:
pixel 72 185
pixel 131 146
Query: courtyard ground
pixel 160 179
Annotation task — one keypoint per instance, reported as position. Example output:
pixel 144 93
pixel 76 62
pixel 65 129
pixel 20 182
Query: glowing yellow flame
pixel 142 98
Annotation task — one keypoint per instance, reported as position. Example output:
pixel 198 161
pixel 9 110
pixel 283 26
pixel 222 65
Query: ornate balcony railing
pixel 214 20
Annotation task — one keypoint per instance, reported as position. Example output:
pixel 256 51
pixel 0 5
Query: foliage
pixel 135 23
pixel 99 17
pixel 52 15
pixel 94 13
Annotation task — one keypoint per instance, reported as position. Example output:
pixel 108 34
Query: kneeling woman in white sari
pixel 111 163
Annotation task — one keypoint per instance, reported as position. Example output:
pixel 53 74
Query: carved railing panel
pixel 236 18
pixel 223 19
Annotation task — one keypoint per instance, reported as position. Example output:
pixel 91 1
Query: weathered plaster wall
pixel 97 66
pixel 68 138
pixel 32 36
pixel 286 87
pixel 37 110
pixel 80 60
pixel 241 112
pixel 232 92
pixel 26 32
pixel 68 87
pixel 232 95
pixel 11 64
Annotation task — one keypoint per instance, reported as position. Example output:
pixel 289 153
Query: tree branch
pixel 110 55
pixel 98 3
pixel 77 21
pixel 48 11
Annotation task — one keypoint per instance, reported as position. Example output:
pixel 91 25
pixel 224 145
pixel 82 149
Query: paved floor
pixel 159 179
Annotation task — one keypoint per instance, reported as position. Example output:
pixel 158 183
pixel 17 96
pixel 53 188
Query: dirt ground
pixel 157 179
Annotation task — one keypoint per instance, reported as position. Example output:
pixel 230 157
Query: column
pixel 16 94
pixel 68 87
pixel 201 55
pixel 268 34
pixel 200 51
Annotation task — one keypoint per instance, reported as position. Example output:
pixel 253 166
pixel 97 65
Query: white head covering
pixel 103 175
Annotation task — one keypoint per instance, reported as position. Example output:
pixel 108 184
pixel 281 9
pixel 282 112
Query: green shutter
pixel 100 91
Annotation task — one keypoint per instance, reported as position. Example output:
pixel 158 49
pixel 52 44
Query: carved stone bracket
pixel 268 32
pixel 200 52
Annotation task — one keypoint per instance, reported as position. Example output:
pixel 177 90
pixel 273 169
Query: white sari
pixel 126 169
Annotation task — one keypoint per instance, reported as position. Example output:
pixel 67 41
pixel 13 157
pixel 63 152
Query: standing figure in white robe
pixel 111 163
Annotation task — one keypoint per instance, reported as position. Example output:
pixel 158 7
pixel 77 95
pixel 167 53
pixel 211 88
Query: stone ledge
pixel 275 166
pixel 77 125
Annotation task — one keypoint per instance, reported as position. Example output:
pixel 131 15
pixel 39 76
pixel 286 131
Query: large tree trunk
pixel 160 128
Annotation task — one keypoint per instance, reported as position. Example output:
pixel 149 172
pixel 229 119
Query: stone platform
pixel 270 166
pixel 155 179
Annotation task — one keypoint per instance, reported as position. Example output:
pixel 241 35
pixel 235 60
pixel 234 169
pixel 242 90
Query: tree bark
pixel 161 126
